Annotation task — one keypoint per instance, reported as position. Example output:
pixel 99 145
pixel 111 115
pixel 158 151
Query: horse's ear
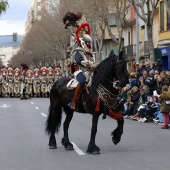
pixel 112 54
pixel 121 54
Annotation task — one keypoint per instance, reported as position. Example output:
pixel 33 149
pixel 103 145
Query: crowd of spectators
pixel 147 96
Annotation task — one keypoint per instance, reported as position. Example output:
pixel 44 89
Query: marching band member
pixel 10 81
pixel 24 68
pixel 29 83
pixel 4 73
pixel 58 73
pixel 17 85
pixel 44 81
pixel 36 82
pixel 50 79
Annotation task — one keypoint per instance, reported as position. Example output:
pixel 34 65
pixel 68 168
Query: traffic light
pixel 14 36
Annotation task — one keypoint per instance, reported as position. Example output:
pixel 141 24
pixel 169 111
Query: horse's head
pixel 121 72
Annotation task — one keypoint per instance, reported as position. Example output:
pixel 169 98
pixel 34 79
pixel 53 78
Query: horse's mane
pixel 103 70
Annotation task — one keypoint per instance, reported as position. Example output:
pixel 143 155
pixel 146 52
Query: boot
pixel 77 93
pixel 165 127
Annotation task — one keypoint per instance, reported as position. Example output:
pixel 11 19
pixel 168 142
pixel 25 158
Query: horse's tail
pixel 53 122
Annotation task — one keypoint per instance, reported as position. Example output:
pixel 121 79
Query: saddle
pixel 72 84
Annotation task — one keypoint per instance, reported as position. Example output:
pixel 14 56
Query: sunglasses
pixel 156 73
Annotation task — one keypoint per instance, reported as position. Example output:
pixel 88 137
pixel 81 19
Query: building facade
pixel 164 34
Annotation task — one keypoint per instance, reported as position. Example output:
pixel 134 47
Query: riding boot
pixel 77 93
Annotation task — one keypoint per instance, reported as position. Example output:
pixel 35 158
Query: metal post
pixel 137 37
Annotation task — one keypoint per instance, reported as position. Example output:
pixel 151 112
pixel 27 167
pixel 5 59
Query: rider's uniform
pixel 85 62
pixel 82 54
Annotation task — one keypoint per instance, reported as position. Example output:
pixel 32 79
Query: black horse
pixel 109 70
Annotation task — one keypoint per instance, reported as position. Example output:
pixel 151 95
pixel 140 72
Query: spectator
pixel 158 118
pixel 164 100
pixel 158 66
pixel 133 102
pixel 158 84
pixel 148 67
pixel 156 72
pixel 152 83
pixel 165 79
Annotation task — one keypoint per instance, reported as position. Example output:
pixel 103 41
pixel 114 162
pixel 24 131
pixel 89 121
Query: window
pixel 162 16
pixel 142 27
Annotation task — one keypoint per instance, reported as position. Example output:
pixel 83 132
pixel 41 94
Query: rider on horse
pixel 82 56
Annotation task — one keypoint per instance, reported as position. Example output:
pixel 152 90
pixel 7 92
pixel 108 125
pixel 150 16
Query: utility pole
pixel 137 37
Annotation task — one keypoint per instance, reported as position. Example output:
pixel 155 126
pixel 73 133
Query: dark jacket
pixel 166 81
pixel 135 98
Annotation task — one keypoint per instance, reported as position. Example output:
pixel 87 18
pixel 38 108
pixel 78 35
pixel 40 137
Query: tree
pixel 3 6
pixel 167 3
pixel 145 9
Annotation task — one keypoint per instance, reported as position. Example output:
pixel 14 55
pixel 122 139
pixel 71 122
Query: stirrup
pixel 70 105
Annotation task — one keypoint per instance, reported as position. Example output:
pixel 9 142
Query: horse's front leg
pixel 65 140
pixel 117 133
pixel 92 147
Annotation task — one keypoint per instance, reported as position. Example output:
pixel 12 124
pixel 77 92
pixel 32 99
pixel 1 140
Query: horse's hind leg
pixel 92 147
pixel 65 140
pixel 53 122
pixel 117 133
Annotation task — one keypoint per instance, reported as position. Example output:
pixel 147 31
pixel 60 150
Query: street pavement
pixel 24 144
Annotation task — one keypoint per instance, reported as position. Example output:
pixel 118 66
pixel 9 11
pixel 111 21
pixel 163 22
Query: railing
pixel 130 50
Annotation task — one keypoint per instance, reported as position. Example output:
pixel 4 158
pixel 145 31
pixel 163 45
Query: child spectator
pixel 164 100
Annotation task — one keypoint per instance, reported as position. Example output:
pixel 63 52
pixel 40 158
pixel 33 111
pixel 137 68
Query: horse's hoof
pixel 69 148
pixel 53 147
pixel 115 141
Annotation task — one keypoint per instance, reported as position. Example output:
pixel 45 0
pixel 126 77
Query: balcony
pixel 129 51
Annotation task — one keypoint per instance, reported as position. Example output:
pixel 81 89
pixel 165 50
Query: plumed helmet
pixel 29 73
pixel 10 71
pixel 58 71
pixel 16 71
pixel 4 71
pixel 44 70
pixel 50 71
pixel 36 72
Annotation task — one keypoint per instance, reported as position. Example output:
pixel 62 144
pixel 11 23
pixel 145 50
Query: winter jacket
pixel 165 96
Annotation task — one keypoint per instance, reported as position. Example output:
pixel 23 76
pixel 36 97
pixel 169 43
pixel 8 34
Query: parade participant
pixel 82 56
pixel 29 83
pixel 24 68
pixel 36 83
pixel 17 85
pixel 43 85
pixel 50 79
pixel 58 73
pixel 10 81
pixel 4 82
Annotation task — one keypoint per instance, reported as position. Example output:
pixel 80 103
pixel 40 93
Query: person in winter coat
pixel 164 100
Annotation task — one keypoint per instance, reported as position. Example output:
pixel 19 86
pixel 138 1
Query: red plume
pixel 81 27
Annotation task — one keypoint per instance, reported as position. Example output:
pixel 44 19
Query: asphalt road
pixel 24 144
